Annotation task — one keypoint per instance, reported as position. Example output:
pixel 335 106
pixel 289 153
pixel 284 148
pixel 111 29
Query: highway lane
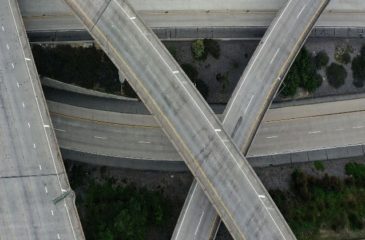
pixel 32 172
pixel 56 15
pixel 228 180
pixel 251 98
pixel 76 127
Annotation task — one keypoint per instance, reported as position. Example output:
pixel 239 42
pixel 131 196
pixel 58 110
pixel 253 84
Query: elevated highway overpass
pixel 253 94
pixel 32 174
pixel 226 177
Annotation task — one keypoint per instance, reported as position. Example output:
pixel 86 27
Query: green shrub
pixel 358 68
pixel 192 73
pixel 115 212
pixel 190 70
pixel 342 53
pixel 318 165
pixel 202 87
pixel 357 171
pixel 336 75
pixel 346 58
pixel 321 59
pixel 212 47
pixel 301 74
pixel 358 83
pixel 198 50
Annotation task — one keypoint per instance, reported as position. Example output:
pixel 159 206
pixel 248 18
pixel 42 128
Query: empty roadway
pixel 252 96
pixel 49 15
pixel 32 174
pixel 227 178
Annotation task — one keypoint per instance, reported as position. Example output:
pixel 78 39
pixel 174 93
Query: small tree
pixel 358 68
pixel 336 75
pixel 321 59
pixel 198 50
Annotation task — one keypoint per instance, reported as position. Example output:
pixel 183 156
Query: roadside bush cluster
pixel 202 47
pixel 327 203
pixel 115 212
pixel 302 74
pixel 358 68
pixel 85 67
pixel 192 73
pixel 336 75
pixel 321 59
pixel 342 53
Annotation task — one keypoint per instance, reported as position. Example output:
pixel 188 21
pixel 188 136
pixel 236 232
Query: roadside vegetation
pixel 318 206
pixel 192 73
pixel 110 210
pixel 202 47
pixel 358 68
pixel 302 74
pixel 86 67
pixel 336 75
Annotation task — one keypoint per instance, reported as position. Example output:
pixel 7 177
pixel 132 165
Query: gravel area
pixel 235 55
pixel 233 59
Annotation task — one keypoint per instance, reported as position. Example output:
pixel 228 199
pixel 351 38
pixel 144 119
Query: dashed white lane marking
pixel 144 142
pixel 52 212
pixel 198 226
pixel 7 46
pixel 271 137
pixel 27 59
pixel 132 18
pixel 249 103
pixel 301 11
pixel 60 130
pixel 357 127
pixel 175 72
pixel 23 104
pixel 34 146
pixel 218 130
pixel 273 58
pixel 314 132
pixel 262 196
pixel 17 84
pixel 28 125
pixel 40 167
pixel 12 65
pixel 45 189
pixel 46 125
pixel 99 137
pixel 58 236
pixel 2 28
